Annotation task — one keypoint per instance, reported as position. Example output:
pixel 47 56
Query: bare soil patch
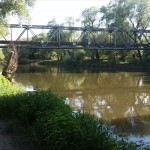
pixel 12 138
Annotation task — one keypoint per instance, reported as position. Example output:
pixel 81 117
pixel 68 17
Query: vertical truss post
pixel 27 35
pixel 128 38
pixel 86 37
pixel 110 37
pixel 140 38
pixel 135 36
pixel 115 42
pixel 11 34
pixel 58 37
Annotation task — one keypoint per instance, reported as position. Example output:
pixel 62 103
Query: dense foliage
pixel 51 124
pixel 14 8
pixel 119 14
pixel 2 57
pixel 7 88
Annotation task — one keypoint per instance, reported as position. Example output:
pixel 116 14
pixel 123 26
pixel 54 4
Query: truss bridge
pixel 62 37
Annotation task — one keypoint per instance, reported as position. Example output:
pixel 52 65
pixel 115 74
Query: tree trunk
pixel 97 55
pixel 12 64
pixel 139 54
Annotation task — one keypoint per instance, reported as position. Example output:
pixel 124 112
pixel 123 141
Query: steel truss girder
pixel 61 37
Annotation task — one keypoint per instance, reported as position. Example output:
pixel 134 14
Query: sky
pixel 46 10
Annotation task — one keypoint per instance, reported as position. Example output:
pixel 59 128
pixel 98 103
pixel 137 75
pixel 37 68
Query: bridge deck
pixel 61 37
pixel 70 45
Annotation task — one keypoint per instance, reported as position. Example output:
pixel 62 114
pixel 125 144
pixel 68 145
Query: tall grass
pixel 52 125
pixel 7 88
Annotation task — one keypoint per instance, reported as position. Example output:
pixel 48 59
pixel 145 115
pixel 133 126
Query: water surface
pixel 122 99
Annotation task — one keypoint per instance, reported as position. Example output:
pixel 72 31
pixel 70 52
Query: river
pixel 120 98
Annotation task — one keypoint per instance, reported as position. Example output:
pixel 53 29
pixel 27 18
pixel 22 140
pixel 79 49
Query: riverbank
pixel 5 139
pixel 50 124
pixel 12 136
pixel 132 66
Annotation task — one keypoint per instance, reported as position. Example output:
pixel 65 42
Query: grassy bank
pixel 51 125
pixel 7 88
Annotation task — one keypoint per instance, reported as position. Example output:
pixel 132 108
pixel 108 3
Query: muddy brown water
pixel 120 98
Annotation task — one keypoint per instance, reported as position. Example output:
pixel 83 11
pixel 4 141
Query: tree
pixel 127 14
pixel 70 21
pixel 90 17
pixel 139 16
pixel 53 36
pixel 115 14
pixel 39 53
pixel 20 9
pixel 15 8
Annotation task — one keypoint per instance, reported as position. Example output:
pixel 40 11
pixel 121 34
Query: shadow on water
pixel 120 98
pixel 137 125
pixel 135 128
pixel 38 68
pixel 31 69
pixel 47 69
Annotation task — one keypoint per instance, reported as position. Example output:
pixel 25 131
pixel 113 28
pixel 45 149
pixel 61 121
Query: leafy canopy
pixel 90 17
pixel 19 8
pixel 127 13
pixel 14 7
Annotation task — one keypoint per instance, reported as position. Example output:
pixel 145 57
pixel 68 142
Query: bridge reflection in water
pixel 88 38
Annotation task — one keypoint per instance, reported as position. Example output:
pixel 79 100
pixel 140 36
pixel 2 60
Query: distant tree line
pixel 120 14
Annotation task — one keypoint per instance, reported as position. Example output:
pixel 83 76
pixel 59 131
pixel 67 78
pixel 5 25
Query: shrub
pixel 7 88
pixel 53 126
pixel 2 57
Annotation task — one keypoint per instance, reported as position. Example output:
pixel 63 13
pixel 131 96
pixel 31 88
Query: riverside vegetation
pixel 50 124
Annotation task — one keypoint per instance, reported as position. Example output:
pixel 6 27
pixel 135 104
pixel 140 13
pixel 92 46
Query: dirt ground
pixel 5 139
pixel 10 139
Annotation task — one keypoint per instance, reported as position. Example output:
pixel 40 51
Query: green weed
pixel 51 124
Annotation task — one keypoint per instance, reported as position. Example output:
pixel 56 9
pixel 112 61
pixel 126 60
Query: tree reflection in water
pixel 122 99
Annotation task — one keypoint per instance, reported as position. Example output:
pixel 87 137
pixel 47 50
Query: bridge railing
pixel 62 37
